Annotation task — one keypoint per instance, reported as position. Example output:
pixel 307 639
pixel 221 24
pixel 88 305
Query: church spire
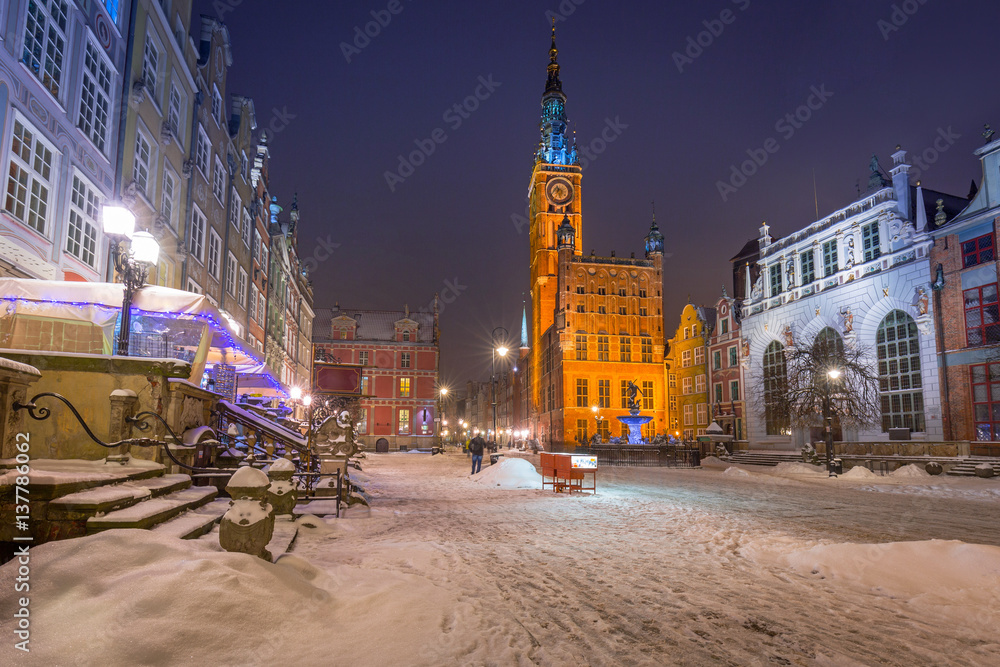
pixel 553 84
pixel 554 147
pixel 524 325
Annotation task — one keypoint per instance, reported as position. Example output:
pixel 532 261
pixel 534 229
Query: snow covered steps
pixel 151 512
pixel 104 499
pixel 766 458
pixel 967 468
pixel 194 523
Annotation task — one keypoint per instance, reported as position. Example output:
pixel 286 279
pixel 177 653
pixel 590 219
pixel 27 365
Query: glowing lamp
pixel 118 221
pixel 502 351
pixel 295 393
pixel 145 249
pixel 834 374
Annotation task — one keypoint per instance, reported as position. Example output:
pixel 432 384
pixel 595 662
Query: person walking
pixel 476 447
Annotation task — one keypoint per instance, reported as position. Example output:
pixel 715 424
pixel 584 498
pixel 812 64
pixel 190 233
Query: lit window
pixel 900 384
pixel 404 420
pixel 81 240
pixel 45 41
pixel 28 181
pixel 95 97
pixel 404 387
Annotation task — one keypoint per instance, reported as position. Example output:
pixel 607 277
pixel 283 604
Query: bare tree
pixel 825 379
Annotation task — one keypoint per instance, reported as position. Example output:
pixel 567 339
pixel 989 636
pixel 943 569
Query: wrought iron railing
pixel 139 421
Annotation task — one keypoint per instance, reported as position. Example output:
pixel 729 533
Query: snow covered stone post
pixel 14 380
pixel 248 524
pixel 335 444
pixel 281 492
pixel 123 404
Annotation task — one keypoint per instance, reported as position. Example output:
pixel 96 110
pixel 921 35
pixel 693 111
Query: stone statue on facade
pixel 848 321
pixel 921 301
pixel 788 335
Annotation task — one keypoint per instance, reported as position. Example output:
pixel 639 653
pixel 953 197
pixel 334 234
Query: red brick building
pixel 964 266
pixel 727 393
pixel 399 355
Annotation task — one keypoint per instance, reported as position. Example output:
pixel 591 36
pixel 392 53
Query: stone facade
pixel 858 270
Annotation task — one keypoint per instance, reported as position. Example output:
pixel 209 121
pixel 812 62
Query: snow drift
pixel 510 474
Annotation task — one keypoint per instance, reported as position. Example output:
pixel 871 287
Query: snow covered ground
pixel 660 567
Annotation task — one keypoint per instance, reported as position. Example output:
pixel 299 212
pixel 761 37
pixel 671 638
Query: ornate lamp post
pixel 131 265
pixel 597 420
pixel 501 349
pixel 831 377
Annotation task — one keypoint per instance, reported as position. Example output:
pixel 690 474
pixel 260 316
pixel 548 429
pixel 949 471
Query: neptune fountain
pixel 634 421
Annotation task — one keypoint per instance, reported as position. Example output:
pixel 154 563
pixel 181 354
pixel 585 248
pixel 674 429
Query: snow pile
pixel 736 472
pixel 859 472
pixel 984 466
pixel 162 600
pixel 798 469
pixel 510 474
pixel 949 579
pixel 713 462
pixel 910 470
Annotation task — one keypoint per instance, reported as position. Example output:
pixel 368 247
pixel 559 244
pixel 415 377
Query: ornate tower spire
pixel 554 147
pixel 524 325
pixel 553 83
pixel 654 240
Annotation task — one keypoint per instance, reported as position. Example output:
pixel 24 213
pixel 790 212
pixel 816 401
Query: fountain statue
pixel 634 421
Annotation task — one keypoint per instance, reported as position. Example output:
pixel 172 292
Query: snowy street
pixel 661 567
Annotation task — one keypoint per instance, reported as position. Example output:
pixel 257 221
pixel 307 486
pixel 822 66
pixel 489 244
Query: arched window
pixel 775 385
pixel 828 344
pixel 898 346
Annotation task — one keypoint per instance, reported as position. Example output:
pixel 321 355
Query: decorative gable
pixel 343 328
pixel 406 329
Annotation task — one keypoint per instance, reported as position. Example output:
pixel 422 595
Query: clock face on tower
pixel 559 191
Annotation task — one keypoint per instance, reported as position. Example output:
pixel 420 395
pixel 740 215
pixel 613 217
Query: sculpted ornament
pixel 921 301
pixel 788 336
pixel 848 321
pixel 335 436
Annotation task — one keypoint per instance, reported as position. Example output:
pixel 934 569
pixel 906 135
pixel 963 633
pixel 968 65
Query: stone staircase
pixel 765 458
pixel 76 498
pixel 967 467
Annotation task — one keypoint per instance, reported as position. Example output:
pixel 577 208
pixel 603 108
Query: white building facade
pixel 861 274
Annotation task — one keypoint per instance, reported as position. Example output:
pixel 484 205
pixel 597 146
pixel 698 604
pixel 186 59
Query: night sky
pixel 888 77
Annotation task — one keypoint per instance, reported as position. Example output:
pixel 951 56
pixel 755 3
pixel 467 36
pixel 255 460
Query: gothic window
pixel 828 344
pixel 982 315
pixel 830 265
pixel 870 241
pixel 978 250
pixel 775 384
pixel 807 262
pixel 898 345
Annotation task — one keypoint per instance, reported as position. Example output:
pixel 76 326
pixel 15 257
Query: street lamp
pixel 131 265
pixel 597 420
pixel 498 336
pixel 440 416
pixel 832 376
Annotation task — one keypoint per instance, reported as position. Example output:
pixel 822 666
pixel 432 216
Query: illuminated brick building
pixel 399 353
pixel 597 322
pixel 687 373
